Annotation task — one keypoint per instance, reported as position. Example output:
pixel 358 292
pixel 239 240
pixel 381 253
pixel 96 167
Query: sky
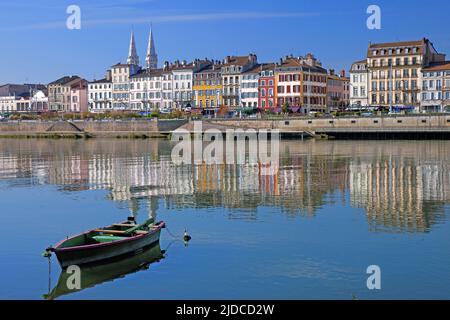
pixel 37 47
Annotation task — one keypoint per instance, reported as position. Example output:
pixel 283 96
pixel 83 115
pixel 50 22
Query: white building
pixel 183 79
pixel 167 86
pixel 100 95
pixel 8 104
pixel 183 75
pixel 249 87
pixel 359 82
pixel 436 88
pixel 39 102
pixel 146 90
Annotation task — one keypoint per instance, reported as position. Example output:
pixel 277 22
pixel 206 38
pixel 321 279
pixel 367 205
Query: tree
pixel 285 108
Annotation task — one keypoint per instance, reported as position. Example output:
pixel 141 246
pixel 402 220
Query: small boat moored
pixel 108 242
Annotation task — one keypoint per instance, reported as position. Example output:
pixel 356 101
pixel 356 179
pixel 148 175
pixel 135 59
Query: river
pixel 309 232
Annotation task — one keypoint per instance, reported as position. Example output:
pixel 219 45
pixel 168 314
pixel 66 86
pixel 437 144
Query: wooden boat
pixel 108 270
pixel 108 242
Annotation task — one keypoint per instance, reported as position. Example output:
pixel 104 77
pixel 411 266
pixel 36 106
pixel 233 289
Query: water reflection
pixel 402 186
pixel 98 273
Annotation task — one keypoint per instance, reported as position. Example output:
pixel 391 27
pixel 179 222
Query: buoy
pixel 186 236
pixel 48 252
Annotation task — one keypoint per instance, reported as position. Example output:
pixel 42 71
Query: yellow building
pixel 207 88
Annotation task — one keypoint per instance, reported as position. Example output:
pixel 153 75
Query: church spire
pixel 132 54
pixel 151 59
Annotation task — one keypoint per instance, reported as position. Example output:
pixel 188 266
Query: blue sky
pixel 37 47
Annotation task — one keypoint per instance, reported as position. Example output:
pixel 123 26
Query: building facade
pixel 232 68
pixel 359 82
pixel 267 96
pixel 249 81
pixel 60 94
pixel 146 90
pixel 120 75
pixel 79 97
pixel 207 87
pixel 100 95
pixel 436 88
pixel 338 95
pixel 301 84
pixel 395 73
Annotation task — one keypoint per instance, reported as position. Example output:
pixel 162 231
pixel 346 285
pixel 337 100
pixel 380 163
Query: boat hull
pixel 86 254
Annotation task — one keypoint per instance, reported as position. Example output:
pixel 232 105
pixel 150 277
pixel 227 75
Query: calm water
pixel 334 208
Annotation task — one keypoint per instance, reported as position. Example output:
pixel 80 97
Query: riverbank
pixel 387 127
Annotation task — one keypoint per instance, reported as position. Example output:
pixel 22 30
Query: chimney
pixel 332 72
pixel 108 75
pixel 342 74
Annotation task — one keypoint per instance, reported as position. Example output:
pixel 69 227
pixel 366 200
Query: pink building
pixel 338 90
pixel 79 97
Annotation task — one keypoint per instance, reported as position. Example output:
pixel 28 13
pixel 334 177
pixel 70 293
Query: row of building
pixel 402 76
pixel 410 76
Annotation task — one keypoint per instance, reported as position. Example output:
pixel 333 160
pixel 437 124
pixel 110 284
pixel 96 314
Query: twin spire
pixel 151 59
pixel 132 53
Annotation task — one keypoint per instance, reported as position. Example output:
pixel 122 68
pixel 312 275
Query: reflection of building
pixel 395 194
pixel 401 186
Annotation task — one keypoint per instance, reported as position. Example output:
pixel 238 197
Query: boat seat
pixel 103 239
pixel 110 231
pixel 123 225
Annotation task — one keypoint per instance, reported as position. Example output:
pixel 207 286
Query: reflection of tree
pixel 401 186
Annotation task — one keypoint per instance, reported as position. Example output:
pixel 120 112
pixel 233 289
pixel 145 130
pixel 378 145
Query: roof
pixel 397 44
pixel 209 68
pixel 360 61
pixel 337 77
pixel 438 66
pixel 292 62
pixel 104 80
pixel 267 66
pixel 420 44
pixel 64 80
pixel 19 89
pixel 121 65
pixel 148 73
pixel 256 69
pixel 236 61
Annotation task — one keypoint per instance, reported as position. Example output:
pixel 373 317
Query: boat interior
pixel 115 232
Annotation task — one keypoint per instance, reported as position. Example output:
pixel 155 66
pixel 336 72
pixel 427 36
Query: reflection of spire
pixel 132 53
pixel 133 204
pixel 152 207
pixel 151 60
